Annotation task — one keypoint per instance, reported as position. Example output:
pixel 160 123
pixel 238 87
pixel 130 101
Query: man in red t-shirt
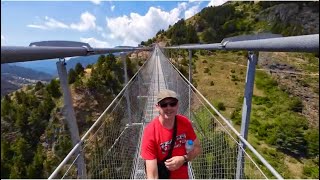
pixel 157 138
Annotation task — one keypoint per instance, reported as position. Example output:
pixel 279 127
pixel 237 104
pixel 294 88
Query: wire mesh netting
pixel 112 149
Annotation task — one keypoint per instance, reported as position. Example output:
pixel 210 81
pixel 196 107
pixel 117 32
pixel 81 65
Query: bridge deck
pixel 157 83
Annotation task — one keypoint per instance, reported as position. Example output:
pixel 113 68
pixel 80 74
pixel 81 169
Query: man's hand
pixel 174 163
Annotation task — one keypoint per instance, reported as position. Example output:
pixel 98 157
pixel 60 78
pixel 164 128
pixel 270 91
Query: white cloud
pixel 191 11
pixel 2 39
pixel 216 2
pixel 96 1
pixel 37 26
pixel 133 29
pixel 49 24
pixel 177 11
pixel 104 35
pixel 99 28
pixel 112 8
pixel 95 43
pixel 87 22
pixel 52 23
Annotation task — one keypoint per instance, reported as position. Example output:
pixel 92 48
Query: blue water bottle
pixel 189 145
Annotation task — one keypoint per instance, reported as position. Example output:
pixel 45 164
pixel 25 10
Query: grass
pixel 222 66
pixel 269 102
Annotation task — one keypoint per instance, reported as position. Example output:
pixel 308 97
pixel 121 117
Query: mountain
pixel 25 72
pixel 7 86
pixel 83 60
pixel 14 77
pixel 49 66
pixel 213 24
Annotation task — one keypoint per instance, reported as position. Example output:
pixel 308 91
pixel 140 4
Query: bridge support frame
pixel 246 110
pixel 123 58
pixel 190 80
pixel 70 116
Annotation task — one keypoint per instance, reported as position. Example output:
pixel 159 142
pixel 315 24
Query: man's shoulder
pixel 151 124
pixel 182 118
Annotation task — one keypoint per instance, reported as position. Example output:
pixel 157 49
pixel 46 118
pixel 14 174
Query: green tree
pixel 89 66
pixel 290 134
pixel 6 156
pixel 101 60
pixel 46 106
pixel 192 36
pixel 21 117
pixel 39 85
pixel 23 156
pixel 35 170
pixel 6 106
pixel 20 97
pixel 209 35
pixel 54 88
pixel 79 69
pixel 72 76
pixel 312 138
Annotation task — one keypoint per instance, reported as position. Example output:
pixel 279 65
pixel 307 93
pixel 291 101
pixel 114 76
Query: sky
pixel 102 24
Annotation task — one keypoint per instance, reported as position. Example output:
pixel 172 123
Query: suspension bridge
pixel 110 149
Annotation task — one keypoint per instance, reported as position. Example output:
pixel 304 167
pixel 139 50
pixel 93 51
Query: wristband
pixel 185 158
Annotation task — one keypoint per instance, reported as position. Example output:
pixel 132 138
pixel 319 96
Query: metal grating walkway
pixel 157 84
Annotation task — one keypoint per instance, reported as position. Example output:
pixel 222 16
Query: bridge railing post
pixel 70 116
pixel 190 77
pixel 123 58
pixel 246 110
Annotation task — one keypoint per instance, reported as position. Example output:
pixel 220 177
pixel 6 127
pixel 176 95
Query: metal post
pixel 123 57
pixel 246 110
pixel 158 72
pixel 70 116
pixel 190 73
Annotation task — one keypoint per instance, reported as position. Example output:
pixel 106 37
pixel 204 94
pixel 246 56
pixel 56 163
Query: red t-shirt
pixel 157 139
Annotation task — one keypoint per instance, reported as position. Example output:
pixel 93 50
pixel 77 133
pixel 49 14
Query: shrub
pixel 211 83
pixel 206 70
pixel 311 171
pixel 296 105
pixel 204 61
pixel 72 76
pixel 79 69
pixel 39 86
pixel 221 106
pixel 312 138
pixel 233 71
pixel 89 66
pixel 236 116
pixel 290 134
pixel 234 78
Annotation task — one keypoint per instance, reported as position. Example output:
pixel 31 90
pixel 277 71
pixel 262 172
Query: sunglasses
pixel 172 104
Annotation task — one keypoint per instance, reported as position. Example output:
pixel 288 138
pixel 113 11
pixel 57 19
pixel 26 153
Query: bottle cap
pixel 190 142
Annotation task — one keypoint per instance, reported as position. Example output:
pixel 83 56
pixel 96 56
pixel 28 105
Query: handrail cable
pixel 304 43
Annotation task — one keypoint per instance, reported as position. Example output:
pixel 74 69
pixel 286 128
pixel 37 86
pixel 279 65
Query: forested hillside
pixel 34 136
pixel 212 24
pixel 284 124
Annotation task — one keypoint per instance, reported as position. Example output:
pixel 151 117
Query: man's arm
pixel 176 162
pixel 152 169
pixel 196 150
